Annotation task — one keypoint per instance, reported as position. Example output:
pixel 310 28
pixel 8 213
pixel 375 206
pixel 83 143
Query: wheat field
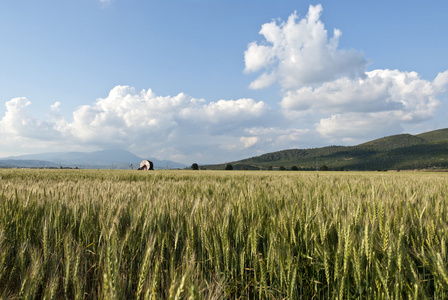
pixel 111 234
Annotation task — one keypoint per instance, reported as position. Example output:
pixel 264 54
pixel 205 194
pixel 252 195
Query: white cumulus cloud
pixel 380 90
pixel 299 52
pixel 382 104
pixel 17 123
pixel 146 121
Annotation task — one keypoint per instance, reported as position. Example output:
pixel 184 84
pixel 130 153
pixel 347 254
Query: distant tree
pixel 282 168
pixel 270 168
pixel 195 166
pixel 324 168
pixel 294 168
pixel 229 167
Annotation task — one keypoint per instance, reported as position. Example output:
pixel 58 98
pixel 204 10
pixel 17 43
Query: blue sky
pixel 215 81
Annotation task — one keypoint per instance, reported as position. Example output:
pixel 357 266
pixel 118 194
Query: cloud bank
pixel 178 127
pixel 332 84
pixel 327 97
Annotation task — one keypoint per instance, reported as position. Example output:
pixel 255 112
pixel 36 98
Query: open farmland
pixel 222 234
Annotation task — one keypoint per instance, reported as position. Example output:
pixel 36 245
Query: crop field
pixel 110 234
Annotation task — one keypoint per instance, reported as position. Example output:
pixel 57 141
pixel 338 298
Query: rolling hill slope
pixel 404 151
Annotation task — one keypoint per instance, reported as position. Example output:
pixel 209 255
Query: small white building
pixel 146 165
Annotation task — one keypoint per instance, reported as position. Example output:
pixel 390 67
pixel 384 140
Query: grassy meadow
pixel 111 234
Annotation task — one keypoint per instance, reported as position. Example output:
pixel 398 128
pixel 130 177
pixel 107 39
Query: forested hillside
pixel 398 152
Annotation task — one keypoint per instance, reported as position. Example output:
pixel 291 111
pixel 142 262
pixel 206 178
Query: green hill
pixel 434 136
pixel 398 152
pixel 393 142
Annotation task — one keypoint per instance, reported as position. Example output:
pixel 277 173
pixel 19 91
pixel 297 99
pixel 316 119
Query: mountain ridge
pixel 427 150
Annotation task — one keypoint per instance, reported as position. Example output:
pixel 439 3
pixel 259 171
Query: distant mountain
pixel 105 159
pixel 18 163
pixel 403 151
